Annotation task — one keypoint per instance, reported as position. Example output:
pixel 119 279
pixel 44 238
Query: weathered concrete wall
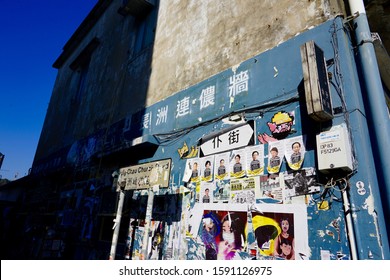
pixel 116 84
pixel 378 13
pixel 198 38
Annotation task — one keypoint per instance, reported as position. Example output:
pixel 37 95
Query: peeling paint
pixel 235 67
pixel 320 233
pixel 369 205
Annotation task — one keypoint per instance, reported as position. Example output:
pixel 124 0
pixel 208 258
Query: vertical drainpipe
pixel 117 224
pixel 376 103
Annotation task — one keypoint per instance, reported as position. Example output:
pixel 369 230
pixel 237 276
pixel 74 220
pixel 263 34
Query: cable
pixel 260 109
pixel 338 85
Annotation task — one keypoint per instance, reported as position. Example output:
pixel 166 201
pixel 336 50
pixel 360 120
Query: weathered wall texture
pixel 378 13
pixel 196 39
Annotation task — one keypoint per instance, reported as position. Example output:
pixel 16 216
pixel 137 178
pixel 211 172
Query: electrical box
pixel 334 150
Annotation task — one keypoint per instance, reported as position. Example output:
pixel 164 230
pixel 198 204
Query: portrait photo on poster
pixel 222 166
pixel 206 192
pixel 255 160
pixel 238 163
pixel 196 169
pixel 295 151
pixel 207 164
pixel 275 156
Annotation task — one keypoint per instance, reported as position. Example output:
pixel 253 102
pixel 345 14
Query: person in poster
pixel 207 170
pixel 195 172
pixel 221 168
pixel 284 243
pixel 228 229
pixel 232 237
pixel 237 168
pixel 207 191
pixel 295 151
pixel 275 156
pixel 275 159
pixel 206 196
pixel 207 163
pixel 222 171
pixel 296 155
pixel 255 165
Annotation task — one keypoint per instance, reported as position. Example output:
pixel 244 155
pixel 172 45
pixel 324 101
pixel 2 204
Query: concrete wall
pixel 378 13
pixel 196 39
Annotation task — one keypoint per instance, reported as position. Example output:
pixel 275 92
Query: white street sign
pixel 234 138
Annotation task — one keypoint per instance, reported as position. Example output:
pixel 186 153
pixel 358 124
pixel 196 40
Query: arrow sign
pixel 227 139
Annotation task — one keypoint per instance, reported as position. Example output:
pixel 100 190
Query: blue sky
pixel 32 36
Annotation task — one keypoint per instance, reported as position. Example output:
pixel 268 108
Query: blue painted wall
pixel 259 88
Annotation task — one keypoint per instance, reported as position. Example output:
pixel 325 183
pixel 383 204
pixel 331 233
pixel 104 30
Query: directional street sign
pixel 228 139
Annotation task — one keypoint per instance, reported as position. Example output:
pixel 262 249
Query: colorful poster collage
pixel 246 176
pixel 239 232
pixel 245 202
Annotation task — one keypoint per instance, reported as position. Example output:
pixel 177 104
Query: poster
pixel 207 166
pixel 276 226
pixel 238 163
pixel 294 152
pixel 271 189
pixel 223 231
pixel 138 241
pixel 244 190
pixel 156 240
pixel 275 156
pixel 206 192
pixel 196 170
pixel 222 168
pixel 255 160
pixel 221 193
pixel 301 182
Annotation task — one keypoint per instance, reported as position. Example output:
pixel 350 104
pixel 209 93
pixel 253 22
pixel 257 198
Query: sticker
pixel 360 188
pixel 281 124
pixel 264 138
pixel 186 152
